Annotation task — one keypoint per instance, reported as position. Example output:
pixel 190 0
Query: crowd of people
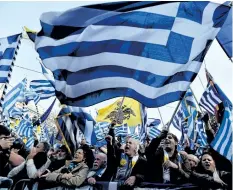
pixel 130 164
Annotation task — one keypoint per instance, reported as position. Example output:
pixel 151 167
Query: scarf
pixel 98 172
pixel 126 166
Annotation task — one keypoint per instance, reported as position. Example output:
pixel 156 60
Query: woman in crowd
pixel 74 173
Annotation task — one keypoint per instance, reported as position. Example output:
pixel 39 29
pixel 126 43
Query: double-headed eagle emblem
pixel 120 114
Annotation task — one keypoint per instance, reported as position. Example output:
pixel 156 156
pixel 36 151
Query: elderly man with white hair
pixel 129 167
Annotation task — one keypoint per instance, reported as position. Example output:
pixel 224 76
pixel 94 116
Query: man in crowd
pixel 164 163
pixel 6 141
pixel 58 159
pixel 128 166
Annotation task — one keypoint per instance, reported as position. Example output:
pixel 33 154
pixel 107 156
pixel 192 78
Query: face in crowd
pixel 131 147
pixel 79 156
pixel 170 143
pixel 100 161
pixel 193 161
pixel 61 154
pixel 39 147
pixel 208 163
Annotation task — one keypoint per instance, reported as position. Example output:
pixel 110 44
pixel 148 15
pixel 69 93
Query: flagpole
pixel 161 116
pixel 177 107
pixel 63 137
pixel 196 100
pixel 9 76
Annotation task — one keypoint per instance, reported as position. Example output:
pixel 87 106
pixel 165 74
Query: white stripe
pixel 227 139
pixel 6 62
pixel 220 139
pixel 95 33
pixel 209 32
pixel 207 103
pixel 4 44
pixel 34 83
pixel 4 73
pixel 157 67
pixel 43 88
pixel 212 104
pixel 216 98
pixel 86 87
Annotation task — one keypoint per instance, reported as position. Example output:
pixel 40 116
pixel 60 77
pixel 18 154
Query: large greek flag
pixel 43 88
pixel 149 51
pixel 222 142
pixel 8 47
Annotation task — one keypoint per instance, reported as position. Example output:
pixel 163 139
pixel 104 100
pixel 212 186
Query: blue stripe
pixel 3 79
pixel 118 71
pixel 167 53
pixel 225 152
pixel 192 10
pixel 8 53
pixel 12 39
pixel 5 67
pixel 216 102
pixel 225 135
pixel 88 100
pixel 40 81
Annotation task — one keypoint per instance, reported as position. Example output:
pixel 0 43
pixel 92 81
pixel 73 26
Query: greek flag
pixel 47 75
pixel 191 124
pixel 14 95
pixel 222 142
pixel 154 132
pixel 149 51
pixel 101 130
pixel 25 127
pixel 121 131
pixel 16 113
pixel 210 99
pixel 201 134
pixel 43 88
pixel 79 119
pixel 31 95
pixel 8 47
pixel 185 110
pixel 30 142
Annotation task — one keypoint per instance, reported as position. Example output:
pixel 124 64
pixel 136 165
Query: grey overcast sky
pixel 15 15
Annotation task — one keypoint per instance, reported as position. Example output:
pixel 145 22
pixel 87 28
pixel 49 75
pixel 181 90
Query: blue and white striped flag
pixel 25 127
pixel 154 132
pixel 16 113
pixel 31 95
pixel 15 95
pixel 222 142
pixel 30 142
pixel 47 75
pixel 8 46
pixel 43 88
pixel 201 134
pixel 121 131
pixel 92 50
pixel 79 119
pixel 210 99
pixel 101 130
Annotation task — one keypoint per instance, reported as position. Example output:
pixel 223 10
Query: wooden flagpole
pixel 177 107
pixel 161 116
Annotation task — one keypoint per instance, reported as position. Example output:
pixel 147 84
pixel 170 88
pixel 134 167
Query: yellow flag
pixel 128 113
pixel 25 140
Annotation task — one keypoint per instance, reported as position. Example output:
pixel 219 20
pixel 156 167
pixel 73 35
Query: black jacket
pixel 4 158
pixel 155 159
pixel 114 153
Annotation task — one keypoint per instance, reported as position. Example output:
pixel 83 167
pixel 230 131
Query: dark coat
pixel 4 165
pixel 206 180
pixel 114 153
pixel 155 159
pixel 56 164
